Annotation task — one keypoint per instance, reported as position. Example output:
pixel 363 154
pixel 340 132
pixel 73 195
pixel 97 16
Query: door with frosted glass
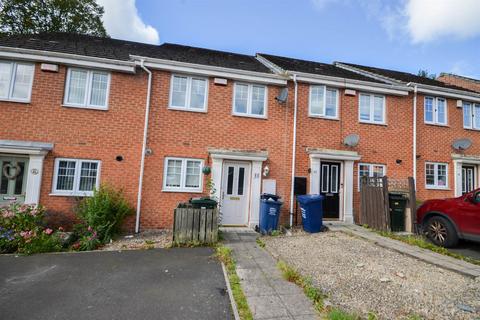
pixel 235 193
pixel 13 179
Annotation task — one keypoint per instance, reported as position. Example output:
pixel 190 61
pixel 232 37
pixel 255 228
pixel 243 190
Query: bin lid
pixel 308 198
pixel 271 200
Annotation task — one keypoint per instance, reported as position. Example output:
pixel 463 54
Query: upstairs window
pixel 250 100
pixel 435 111
pixel 471 115
pixel 436 175
pixel 74 177
pixel 323 102
pixel 87 89
pixel 16 81
pixel 372 108
pixel 188 93
pixel 183 175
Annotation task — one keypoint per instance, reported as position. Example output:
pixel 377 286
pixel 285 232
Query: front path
pixel 268 294
pixel 147 284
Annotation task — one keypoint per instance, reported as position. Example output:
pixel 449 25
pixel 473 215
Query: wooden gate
pixel 195 226
pixel 374 200
pixel 374 206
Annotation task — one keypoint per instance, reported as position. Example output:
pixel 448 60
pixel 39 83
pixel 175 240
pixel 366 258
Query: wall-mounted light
pixel 266 171
pixel 119 158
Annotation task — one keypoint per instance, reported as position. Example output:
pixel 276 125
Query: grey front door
pixel 13 179
pixel 468 179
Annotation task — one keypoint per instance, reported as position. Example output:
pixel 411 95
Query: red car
pixel 445 221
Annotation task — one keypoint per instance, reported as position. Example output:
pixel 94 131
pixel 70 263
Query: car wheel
pixel 441 232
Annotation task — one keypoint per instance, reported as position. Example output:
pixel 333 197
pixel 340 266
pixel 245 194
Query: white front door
pixel 235 193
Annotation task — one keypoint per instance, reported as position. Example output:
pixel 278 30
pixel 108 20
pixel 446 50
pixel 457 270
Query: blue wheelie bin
pixel 311 206
pixel 269 213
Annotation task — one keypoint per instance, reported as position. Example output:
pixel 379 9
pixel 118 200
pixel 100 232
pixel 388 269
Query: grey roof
pixel 313 67
pixel 115 49
pixel 405 77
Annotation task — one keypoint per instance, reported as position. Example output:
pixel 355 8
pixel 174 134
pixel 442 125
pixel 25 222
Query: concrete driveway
pixel 149 284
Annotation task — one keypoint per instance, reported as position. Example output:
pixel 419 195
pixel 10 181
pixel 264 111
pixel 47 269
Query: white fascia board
pixel 211 71
pixel 67 59
pixel 353 84
pixel 448 93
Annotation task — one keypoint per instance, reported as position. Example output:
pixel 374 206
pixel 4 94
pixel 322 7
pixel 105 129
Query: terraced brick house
pixel 79 111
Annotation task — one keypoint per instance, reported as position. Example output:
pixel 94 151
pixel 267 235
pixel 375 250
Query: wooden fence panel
pixel 374 206
pixel 193 225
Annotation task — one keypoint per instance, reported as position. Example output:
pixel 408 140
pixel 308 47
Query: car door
pixel 468 214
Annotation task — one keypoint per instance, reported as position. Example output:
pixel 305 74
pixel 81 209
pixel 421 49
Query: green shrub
pixel 104 212
pixel 22 229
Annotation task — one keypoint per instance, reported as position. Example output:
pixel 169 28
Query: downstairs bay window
pixel 75 177
pixel 183 175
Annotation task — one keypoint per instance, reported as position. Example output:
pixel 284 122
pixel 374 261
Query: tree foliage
pixel 426 74
pixel 36 16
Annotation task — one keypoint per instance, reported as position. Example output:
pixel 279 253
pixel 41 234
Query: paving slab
pixel 268 294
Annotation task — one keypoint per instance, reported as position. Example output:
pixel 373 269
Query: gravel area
pixel 361 277
pixel 144 240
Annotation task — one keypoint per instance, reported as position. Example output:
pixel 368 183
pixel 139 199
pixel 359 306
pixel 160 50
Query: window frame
pixel 435 121
pixel 323 116
pixel 472 106
pixel 13 73
pixel 372 109
pixel 188 93
pixel 249 114
pixel 370 170
pixel 76 180
pixel 435 186
pixel 183 176
pixel 88 93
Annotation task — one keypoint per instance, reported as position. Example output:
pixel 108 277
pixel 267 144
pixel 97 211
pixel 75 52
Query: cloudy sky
pixel 408 35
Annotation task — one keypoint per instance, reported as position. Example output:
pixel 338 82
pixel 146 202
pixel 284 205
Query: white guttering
pixel 66 58
pixel 398 90
pixel 144 147
pixel 294 143
pixel 212 71
pixel 414 159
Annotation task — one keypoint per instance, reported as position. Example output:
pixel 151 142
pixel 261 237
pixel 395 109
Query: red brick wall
pixel 81 133
pixel 191 134
pixel 434 145
pixel 379 144
pixel 460 82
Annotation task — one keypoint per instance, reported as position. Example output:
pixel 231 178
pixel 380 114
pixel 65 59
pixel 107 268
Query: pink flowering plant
pixel 22 230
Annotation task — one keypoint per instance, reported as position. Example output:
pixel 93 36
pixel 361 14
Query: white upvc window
pixel 471 115
pixel 188 93
pixel 250 100
pixel 436 175
pixel 323 102
pixel 16 81
pixel 75 177
pixel 435 111
pixel 183 175
pixel 370 170
pixel 87 89
pixel 372 108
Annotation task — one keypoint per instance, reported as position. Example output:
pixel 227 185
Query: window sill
pixel 182 191
pixel 187 109
pixel 374 123
pixel 437 188
pixel 15 100
pixel 85 107
pixel 472 129
pixel 437 125
pixel 56 194
pixel 323 117
pixel 250 116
